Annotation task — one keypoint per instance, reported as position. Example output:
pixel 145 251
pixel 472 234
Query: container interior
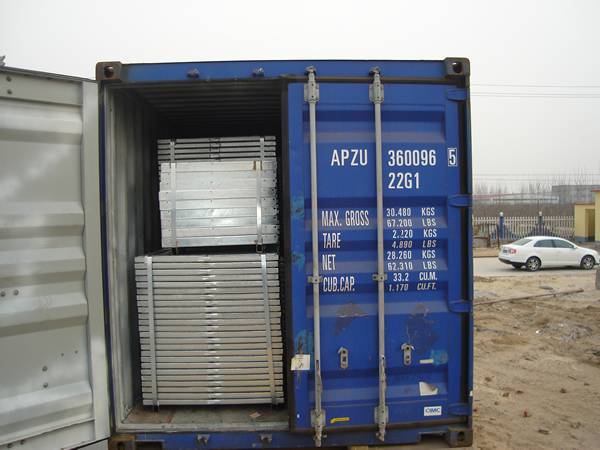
pixel 135 117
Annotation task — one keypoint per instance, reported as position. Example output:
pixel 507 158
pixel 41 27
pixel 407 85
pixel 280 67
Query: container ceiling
pixel 200 109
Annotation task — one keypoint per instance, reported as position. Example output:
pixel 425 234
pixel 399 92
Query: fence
pixel 510 228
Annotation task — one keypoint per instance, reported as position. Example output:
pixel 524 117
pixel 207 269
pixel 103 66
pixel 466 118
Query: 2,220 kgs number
pixel 405 233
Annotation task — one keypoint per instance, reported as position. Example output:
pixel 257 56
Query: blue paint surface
pixel 249 440
pixel 427 248
pixel 219 70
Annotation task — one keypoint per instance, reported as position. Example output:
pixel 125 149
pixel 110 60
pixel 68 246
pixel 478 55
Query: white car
pixel 547 251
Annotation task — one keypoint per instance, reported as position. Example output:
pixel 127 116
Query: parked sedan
pixel 545 251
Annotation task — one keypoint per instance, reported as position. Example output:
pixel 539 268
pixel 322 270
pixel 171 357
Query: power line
pixel 535 95
pixel 537 180
pixel 588 91
pixel 541 174
pixel 595 177
pixel 553 86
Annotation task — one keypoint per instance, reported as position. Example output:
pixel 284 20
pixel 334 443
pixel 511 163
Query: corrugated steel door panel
pixel 53 370
pixel 426 245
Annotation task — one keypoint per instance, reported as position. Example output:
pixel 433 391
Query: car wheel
pixel 533 264
pixel 517 266
pixel 588 262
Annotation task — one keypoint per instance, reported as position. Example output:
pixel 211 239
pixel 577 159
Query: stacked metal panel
pixel 210 329
pixel 215 203
pixel 217 148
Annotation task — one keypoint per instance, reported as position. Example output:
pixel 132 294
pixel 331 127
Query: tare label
pixel 432 411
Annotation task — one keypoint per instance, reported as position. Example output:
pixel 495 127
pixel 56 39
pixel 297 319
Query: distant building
pixel 516 199
pixel 575 193
pixel 587 219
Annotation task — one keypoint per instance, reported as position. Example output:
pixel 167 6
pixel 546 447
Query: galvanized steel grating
pixel 210 329
pixel 205 201
pixel 216 148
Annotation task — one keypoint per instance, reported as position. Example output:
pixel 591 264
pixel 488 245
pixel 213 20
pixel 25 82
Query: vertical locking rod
pixel 311 96
pixel 381 411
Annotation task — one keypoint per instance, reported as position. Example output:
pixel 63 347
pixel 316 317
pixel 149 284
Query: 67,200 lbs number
pixel 404 180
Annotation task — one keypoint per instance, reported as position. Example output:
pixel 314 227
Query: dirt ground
pixel 537 363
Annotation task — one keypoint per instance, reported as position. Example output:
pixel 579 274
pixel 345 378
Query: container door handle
pixel 311 96
pixel 381 411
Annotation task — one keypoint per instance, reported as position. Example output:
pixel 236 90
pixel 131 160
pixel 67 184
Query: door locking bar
pixel 311 96
pixel 381 411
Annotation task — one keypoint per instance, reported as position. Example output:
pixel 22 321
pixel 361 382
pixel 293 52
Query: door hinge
pixel 460 306
pixel 459 409
pixel 460 201
pixel 459 95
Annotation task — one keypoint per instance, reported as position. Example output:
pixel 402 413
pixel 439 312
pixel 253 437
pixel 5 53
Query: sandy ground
pixel 492 267
pixel 537 363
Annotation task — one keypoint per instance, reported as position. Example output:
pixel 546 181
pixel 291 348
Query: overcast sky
pixel 535 64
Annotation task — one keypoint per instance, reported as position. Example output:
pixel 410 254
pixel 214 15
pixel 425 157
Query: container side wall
pixel 132 228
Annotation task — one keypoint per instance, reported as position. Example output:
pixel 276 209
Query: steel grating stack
pixel 210 329
pixel 216 148
pixel 215 203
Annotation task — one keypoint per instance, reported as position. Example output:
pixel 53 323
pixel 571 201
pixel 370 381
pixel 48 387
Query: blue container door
pixel 426 230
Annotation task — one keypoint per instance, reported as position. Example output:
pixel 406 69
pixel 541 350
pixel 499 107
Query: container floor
pixel 212 418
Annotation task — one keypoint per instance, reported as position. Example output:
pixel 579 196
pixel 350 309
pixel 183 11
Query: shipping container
pixel 366 258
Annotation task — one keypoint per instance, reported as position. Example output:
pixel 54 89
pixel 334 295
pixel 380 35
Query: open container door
pixel 386 313
pixel 53 366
